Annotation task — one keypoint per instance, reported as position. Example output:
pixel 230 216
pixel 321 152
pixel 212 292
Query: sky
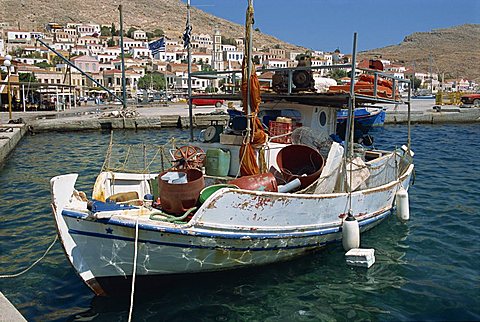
pixel 330 24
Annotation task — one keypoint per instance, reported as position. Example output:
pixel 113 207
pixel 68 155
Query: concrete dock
pixel 104 117
pixel 10 135
pixel 8 312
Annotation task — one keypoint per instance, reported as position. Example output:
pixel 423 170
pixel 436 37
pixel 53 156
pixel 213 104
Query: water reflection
pixel 425 269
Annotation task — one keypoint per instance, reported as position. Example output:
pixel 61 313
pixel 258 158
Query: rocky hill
pixel 168 15
pixel 454 51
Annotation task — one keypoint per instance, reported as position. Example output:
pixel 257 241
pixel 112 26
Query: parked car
pixel 471 99
pixel 206 102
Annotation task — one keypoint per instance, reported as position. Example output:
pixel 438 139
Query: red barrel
pixel 259 182
pixel 178 198
pixel 300 161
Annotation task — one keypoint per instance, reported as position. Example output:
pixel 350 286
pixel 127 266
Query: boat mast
pixel 249 67
pixel 189 80
pixel 351 104
pixel 350 127
pixel 124 83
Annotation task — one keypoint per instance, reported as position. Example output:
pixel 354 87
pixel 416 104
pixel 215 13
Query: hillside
pixel 169 15
pixel 455 51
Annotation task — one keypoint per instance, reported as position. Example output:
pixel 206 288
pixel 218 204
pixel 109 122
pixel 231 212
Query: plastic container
pixel 217 162
pixel 210 190
pixel 300 161
pixel 178 198
pixel 174 177
pixel 258 182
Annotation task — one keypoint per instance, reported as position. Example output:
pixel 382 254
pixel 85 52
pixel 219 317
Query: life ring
pixel 189 157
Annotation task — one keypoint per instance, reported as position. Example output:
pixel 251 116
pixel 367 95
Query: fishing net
pixel 311 138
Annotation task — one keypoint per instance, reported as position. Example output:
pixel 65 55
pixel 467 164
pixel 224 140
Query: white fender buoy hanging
pixel 401 200
pixel 350 233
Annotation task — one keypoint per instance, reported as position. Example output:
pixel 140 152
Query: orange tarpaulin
pixel 248 160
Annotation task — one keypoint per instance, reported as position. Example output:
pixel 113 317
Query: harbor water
pixel 426 269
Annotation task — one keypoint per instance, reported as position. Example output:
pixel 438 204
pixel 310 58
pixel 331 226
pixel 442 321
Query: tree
pixel 206 68
pixel 154 80
pixel 130 32
pixel 416 83
pixel 34 54
pixel 57 60
pixel 337 74
pixel 105 31
pixel 43 65
pixel 158 33
pixel 113 30
pixel 228 41
pixel 27 78
pixel 111 42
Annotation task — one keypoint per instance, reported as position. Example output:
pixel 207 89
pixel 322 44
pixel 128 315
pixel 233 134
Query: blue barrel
pixel 217 162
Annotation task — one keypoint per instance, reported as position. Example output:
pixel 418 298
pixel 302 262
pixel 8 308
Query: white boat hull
pixel 234 228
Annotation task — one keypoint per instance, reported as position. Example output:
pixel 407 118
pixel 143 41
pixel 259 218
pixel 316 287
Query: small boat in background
pixel 365 118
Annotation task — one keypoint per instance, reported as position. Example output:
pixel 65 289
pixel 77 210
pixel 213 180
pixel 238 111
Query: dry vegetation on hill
pixel 169 15
pixel 455 51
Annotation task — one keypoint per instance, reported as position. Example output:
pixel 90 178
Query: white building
pixel 129 43
pixel 139 35
pixel 140 52
pixel 235 55
pixel 30 61
pixel 17 36
pixel 2 48
pixel 276 63
pixel 87 29
pixel 66 46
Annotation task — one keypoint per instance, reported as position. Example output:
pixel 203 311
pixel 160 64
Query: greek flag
pixel 157 46
pixel 186 36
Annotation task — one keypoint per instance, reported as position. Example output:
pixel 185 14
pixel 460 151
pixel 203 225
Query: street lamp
pixel 7 63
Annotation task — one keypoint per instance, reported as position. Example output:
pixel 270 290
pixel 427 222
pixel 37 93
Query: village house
pixel 88 64
pixel 87 29
pixel 139 35
pixel 84 40
pixel 113 80
pixel 17 36
pixel 275 63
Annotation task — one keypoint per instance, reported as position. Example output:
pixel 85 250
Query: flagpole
pixel 189 57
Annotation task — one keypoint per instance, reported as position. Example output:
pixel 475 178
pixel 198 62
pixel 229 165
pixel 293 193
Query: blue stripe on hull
pixel 321 232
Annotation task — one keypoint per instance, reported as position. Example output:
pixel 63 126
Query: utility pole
pixel 124 83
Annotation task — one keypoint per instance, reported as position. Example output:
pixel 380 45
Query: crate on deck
pixel 278 128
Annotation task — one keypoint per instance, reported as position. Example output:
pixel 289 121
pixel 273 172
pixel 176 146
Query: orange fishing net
pixel 248 160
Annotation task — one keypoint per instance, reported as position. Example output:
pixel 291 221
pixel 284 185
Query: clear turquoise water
pixel 426 269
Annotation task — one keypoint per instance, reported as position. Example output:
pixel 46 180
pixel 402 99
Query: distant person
pixel 14 102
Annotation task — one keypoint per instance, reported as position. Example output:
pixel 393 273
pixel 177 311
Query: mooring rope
pixel 34 263
pixel 134 273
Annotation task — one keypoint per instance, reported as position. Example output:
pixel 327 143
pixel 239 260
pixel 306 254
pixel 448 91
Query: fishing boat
pixel 365 116
pixel 364 119
pixel 240 197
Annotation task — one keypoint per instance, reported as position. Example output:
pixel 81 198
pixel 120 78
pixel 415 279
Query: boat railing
pixel 232 83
